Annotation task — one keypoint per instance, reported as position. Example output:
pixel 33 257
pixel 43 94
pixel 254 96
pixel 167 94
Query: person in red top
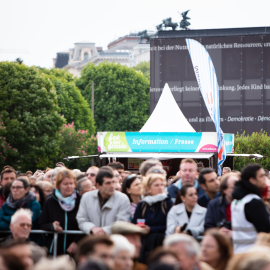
pixel 8 175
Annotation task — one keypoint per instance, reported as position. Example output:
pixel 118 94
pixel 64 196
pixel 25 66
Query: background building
pixel 125 50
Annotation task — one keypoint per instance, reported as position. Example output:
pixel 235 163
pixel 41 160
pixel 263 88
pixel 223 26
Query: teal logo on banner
pixel 229 142
pixel 163 141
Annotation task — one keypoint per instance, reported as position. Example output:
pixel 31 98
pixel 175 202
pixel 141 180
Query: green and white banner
pixel 203 142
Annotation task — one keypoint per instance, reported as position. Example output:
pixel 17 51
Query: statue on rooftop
pixel 168 23
pixel 184 23
pixel 143 35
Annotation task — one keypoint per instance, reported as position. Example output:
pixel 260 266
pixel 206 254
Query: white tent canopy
pixel 167 116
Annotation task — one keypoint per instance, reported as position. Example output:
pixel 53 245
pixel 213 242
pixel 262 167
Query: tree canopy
pixel 144 67
pixel 121 96
pixel 256 143
pixel 29 114
pixel 72 104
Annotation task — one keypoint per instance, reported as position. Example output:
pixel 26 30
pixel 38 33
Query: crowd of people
pixel 191 221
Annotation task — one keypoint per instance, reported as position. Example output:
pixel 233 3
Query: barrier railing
pixel 55 237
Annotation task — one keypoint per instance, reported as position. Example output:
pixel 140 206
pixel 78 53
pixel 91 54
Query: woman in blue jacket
pixel 20 197
pixel 151 212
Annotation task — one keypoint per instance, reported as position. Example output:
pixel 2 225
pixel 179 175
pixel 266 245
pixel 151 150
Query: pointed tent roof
pixel 167 116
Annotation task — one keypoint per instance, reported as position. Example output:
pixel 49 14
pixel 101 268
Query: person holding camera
pixel 219 209
pixel 186 216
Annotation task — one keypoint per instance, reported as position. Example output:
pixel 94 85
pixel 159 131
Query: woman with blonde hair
pixel 151 212
pixel 59 213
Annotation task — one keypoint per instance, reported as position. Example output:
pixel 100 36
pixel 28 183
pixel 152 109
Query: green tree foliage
pixel 70 100
pixel 7 152
pixel 144 67
pixel 76 143
pixel 257 143
pixel 29 112
pixel 121 96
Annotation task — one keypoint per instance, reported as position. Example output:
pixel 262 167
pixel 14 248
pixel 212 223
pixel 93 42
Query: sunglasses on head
pixel 131 176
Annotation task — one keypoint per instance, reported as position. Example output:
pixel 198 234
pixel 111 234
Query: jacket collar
pixel 181 208
pixel 109 203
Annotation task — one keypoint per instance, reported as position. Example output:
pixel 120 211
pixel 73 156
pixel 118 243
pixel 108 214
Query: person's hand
pixel 147 228
pixel 72 248
pixel 177 229
pixel 98 231
pixel 57 227
pixel 226 232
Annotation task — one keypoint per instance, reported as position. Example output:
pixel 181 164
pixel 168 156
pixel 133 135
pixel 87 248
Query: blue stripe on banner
pixel 208 84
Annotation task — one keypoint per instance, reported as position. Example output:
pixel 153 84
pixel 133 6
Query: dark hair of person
pixel 11 261
pixel 87 245
pixel 127 183
pixel 250 171
pixel 157 254
pixel 7 169
pixel 224 247
pixel 104 171
pixel 182 192
pixel 28 172
pixel 80 176
pixel 201 178
pixel 7 190
pixel 25 183
pixel 117 165
pixel 41 194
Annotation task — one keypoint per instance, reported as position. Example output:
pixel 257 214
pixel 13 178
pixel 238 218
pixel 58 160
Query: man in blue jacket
pixel 188 173
pixel 219 209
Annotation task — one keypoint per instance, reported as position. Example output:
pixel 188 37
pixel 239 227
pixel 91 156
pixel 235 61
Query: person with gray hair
pixel 20 225
pixel 54 174
pixel 226 170
pixel 123 252
pixel 85 185
pixel 147 164
pixel 187 250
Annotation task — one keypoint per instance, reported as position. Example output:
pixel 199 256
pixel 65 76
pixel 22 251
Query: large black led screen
pixel 242 67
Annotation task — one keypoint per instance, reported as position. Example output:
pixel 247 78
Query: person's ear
pixel 182 198
pixel 128 190
pixel 11 226
pixel 252 181
pixel 204 187
pixel 97 185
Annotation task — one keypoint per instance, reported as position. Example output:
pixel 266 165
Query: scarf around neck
pixel 154 199
pixel 68 203
pixel 30 196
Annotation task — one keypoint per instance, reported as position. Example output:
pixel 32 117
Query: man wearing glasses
pixel 20 225
pixel 92 173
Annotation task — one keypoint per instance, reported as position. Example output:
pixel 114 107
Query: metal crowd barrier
pixel 55 237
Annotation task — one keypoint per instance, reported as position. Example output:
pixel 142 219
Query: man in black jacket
pixel 219 209
pixel 249 214
pixel 210 184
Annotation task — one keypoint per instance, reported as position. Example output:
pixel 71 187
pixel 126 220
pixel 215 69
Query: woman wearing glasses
pixel 20 197
pixel 59 213
pixel 132 187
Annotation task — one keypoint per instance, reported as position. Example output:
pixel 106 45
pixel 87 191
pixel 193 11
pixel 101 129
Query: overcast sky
pixel 36 30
